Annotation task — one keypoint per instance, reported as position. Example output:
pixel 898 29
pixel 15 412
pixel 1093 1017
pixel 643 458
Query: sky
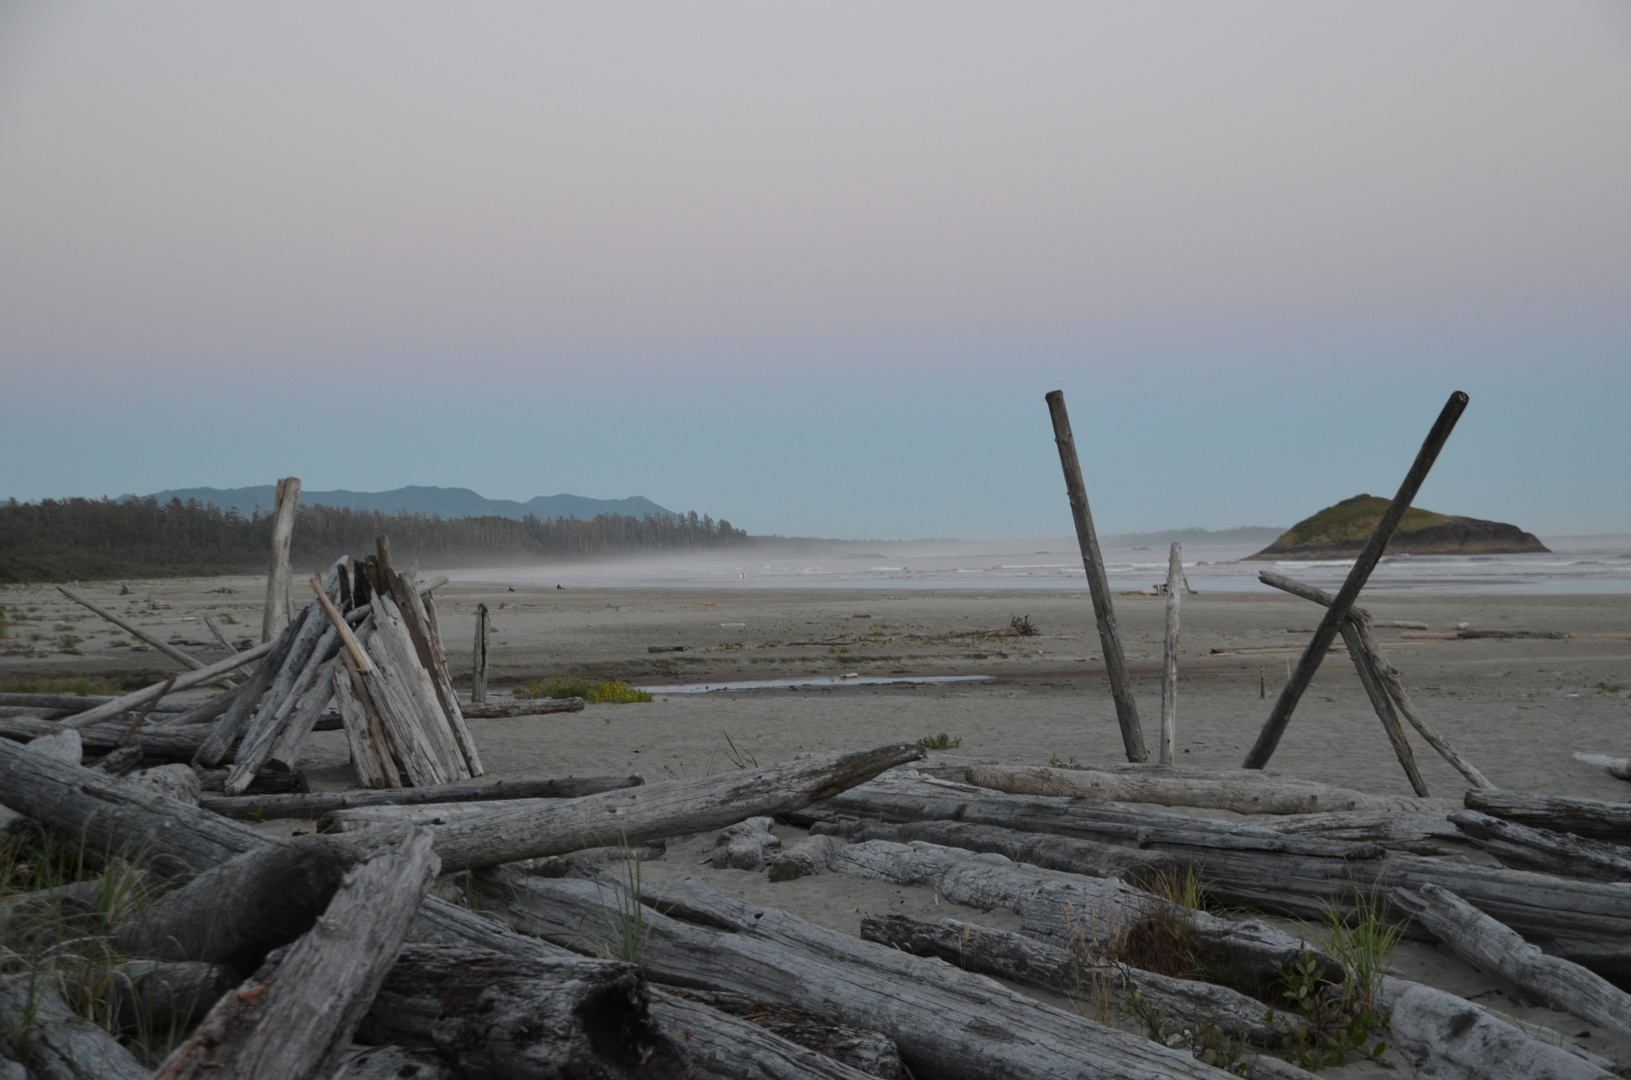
pixel 813 268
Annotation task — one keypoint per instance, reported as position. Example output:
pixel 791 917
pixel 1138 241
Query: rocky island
pixel 1341 531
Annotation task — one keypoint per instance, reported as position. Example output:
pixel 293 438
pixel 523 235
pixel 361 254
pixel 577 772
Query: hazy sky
pixel 813 268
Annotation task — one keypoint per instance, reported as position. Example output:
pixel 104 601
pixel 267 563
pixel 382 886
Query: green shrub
pixel 596 693
pixel 941 741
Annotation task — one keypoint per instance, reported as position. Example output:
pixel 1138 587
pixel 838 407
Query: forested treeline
pixel 86 539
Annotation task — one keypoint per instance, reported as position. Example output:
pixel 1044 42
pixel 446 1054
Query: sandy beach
pixel 1518 708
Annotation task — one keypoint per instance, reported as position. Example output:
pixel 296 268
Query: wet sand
pixel 1516 708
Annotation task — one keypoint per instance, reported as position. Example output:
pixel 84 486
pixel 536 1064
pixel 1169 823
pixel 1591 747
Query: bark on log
pixel 1545 851
pixel 1245 791
pixel 502 833
pixel 1445 1037
pixel 315 804
pixel 294 1017
pixel 529 707
pixel 723 1047
pixel 1066 909
pixel 1499 952
pixel 523 1018
pixel 239 911
pixel 63 1046
pixel 1115 663
pixel 1023 959
pixel 1169 659
pixel 1337 613
pixel 158 995
pixel 137 699
pixel 279 597
pixel 742 846
pixel 1609 821
pixel 947 1023
pixel 478 660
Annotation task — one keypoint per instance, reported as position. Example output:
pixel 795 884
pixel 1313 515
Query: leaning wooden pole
pixel 279 595
pixel 1098 585
pixel 1337 613
pixel 1169 660
pixel 478 681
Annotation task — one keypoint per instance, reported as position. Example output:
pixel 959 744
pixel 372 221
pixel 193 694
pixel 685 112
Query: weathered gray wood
pixel 1337 613
pixel 1609 821
pixel 1023 959
pixel 205 711
pixel 138 698
pixel 522 1018
pixel 1365 641
pixel 175 781
pixel 1419 834
pixel 1065 908
pixel 215 631
pixel 225 732
pixel 1498 951
pixel 416 617
pixel 58 745
pixel 742 846
pixel 809 856
pixel 317 803
pixel 1245 791
pixel 279 596
pixel 63 1046
pixel 73 703
pixel 478 660
pixel 1115 663
pixel 392 1063
pixel 297 1013
pixel 120 760
pixel 1069 854
pixel 1445 1037
pixel 158 744
pixel 1544 850
pixel 1169 657
pixel 135 631
pixel 526 707
pixel 303 720
pixel 1618 767
pixel 723 1047
pixel 1382 703
pixel 237 912
pixel 160 995
pixel 505 832
pixel 947 1023
pixel 421 740
pixel 364 730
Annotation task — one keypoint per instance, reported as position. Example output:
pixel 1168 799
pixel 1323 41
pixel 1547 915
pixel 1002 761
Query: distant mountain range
pixel 439 501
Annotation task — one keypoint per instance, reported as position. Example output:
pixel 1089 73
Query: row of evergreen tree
pixel 88 539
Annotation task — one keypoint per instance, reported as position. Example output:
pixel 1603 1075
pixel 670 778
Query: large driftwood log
pixel 415 727
pixel 292 1017
pixel 62 1045
pixel 1074 856
pixel 1104 615
pixel 315 804
pixel 1419 834
pixel 364 729
pixel 159 995
pixel 59 745
pixel 421 626
pixel 239 911
pixel 279 596
pixel 1498 951
pixel 522 1018
pixel 72 703
pixel 528 707
pixel 504 832
pixel 1609 821
pixel 1245 791
pixel 948 1023
pixel 231 726
pixel 723 1047
pixel 1445 1037
pixel 1074 910
pixel 139 698
pixel 872 1053
pixel 1023 959
pixel 1543 850
pixel 156 744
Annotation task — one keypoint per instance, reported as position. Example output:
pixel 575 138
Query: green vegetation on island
pixel 1343 529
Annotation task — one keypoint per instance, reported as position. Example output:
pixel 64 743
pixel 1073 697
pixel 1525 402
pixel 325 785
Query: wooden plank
pixel 1326 632
pixel 280 606
pixel 1115 662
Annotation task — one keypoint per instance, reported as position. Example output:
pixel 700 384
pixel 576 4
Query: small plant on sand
pixel 941 741
pixel 1334 1029
pixel 1362 943
pixel 742 759
pixel 70 644
pixel 626 935
pixel 1164 939
pixel 594 692
pixel 1057 762
pixel 72 684
pixel 1022 623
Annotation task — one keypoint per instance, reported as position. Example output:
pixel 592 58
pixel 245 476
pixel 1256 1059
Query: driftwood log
pixel 1244 791
pixel 71 703
pixel 1609 821
pixel 528 707
pixel 809 856
pixel 1169 655
pixel 1074 856
pixel 1525 848
pixel 478 659
pixel 315 804
pixel 364 729
pixel 226 731
pixel 1499 952
pixel 508 1017
pixel 725 1047
pixel 433 660
pixel 139 698
pixel 870 1052
pixel 1445 1037
pixel 158 995
pixel 156 744
pixel 742 846
pixel 947 1023
pixel 1023 959
pixel 279 596
pixel 62 1045
pixel 504 832
pixel 299 1011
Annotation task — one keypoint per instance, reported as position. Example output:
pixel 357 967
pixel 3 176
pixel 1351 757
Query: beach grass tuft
pixel 941 741
pixel 592 691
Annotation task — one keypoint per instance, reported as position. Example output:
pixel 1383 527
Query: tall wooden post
pixel 279 592
pixel 478 682
pixel 1169 663
pixel 1098 585
pixel 1337 613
